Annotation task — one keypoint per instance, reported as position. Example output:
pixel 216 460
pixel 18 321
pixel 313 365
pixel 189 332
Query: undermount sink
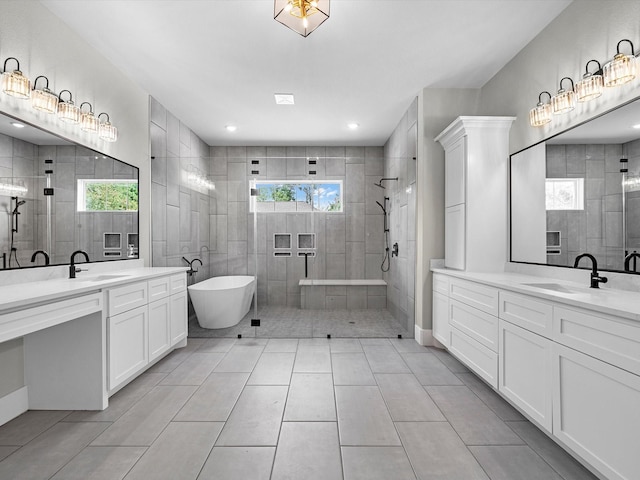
pixel 556 287
pixel 102 278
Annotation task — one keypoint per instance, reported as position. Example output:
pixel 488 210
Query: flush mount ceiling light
pixel 622 69
pixel 592 84
pixel 15 83
pixel 231 128
pixel 565 100
pixel 106 131
pixel 541 114
pixel 353 126
pixel 17 125
pixel 43 99
pixel 68 112
pixel 636 126
pixel 88 121
pixel 284 98
pixel 301 16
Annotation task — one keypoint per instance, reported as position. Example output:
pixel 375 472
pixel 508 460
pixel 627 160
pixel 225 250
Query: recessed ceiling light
pixel 231 128
pixel 17 125
pixel 353 126
pixel 636 126
pixel 284 98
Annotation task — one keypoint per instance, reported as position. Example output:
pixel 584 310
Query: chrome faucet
pixel 627 262
pixel 72 267
pixel 596 280
pixel 43 253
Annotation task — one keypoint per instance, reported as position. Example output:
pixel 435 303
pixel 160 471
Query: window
pixel 564 193
pixel 298 196
pixel 107 195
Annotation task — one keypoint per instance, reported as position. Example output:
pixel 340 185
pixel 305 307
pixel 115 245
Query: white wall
pixel 44 45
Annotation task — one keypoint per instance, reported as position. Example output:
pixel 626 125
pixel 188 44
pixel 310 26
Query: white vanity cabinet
pixel 145 320
pixel 476 158
pixel 440 316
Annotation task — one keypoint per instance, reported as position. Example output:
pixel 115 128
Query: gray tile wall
pixel 400 153
pixel 598 228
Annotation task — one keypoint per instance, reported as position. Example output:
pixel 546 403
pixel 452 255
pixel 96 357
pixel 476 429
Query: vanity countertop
pixel 24 295
pixel 621 303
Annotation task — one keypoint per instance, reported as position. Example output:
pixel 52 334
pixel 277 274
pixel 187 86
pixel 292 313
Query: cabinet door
pixel 440 318
pixel 454 237
pixel 159 328
pixel 128 345
pixel 480 359
pixel 596 412
pixel 454 172
pixel 525 372
pixel 178 317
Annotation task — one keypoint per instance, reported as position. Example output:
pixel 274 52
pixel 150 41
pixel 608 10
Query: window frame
pixel 578 203
pixel 254 199
pixel 81 194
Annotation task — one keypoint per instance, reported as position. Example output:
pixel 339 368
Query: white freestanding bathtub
pixel 221 302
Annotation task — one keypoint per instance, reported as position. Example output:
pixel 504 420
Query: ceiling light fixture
pixel 541 114
pixel 622 69
pixel 353 126
pixel 565 100
pixel 301 16
pixel 231 128
pixel 68 112
pixel 284 98
pixel 592 84
pixel 636 126
pixel 88 121
pixel 106 131
pixel 17 125
pixel 43 99
pixel 15 83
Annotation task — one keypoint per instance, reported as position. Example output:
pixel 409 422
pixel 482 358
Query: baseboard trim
pixel 424 337
pixel 14 404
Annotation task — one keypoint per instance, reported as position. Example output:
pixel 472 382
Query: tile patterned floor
pixel 297 409
pixel 283 322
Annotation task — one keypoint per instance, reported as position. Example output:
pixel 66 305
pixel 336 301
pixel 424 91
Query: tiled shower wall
pixel 400 154
pixel 598 228
pixel 349 243
pixel 71 230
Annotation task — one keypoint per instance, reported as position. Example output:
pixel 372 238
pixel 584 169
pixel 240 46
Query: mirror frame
pixel 545 140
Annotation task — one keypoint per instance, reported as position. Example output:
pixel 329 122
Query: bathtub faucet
pixel 192 271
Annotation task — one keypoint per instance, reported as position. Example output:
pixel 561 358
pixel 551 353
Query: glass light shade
pixel 564 101
pixel 89 122
pixel 16 84
pixel 590 87
pixel 107 132
pixel 301 16
pixel 622 69
pixel 540 115
pixel 68 112
pixel 44 100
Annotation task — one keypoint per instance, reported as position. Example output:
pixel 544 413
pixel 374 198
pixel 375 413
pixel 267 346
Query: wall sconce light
pixel 15 83
pixel 43 99
pixel 622 69
pixel 301 16
pixel 592 84
pixel 106 131
pixel 88 121
pixel 565 100
pixel 67 111
pixel 541 114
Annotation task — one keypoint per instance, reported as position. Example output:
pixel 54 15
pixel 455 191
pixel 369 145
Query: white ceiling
pixel 219 62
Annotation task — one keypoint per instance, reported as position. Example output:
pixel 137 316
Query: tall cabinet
pixel 476 159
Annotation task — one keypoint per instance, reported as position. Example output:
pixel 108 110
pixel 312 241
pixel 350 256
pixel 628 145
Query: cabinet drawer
pixel 127 297
pixel 476 295
pixel 159 288
pixel 525 372
pixel 441 284
pixel 595 412
pixel 533 315
pixel 479 325
pixel 611 339
pixel 178 283
pixel 476 356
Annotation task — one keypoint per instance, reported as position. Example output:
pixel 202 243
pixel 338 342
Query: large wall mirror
pixel 579 192
pixel 57 197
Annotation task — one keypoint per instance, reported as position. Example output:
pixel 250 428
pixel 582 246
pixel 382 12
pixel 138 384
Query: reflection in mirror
pixel 57 197
pixel 580 192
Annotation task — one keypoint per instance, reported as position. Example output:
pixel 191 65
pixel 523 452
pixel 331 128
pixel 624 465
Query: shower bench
pixel 329 294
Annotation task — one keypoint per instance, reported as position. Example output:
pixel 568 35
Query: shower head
pixel 21 202
pixel 379 184
pixel 18 203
